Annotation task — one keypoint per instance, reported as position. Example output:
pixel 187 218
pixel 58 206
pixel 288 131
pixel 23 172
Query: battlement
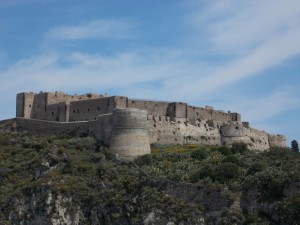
pixel 129 125
pixel 62 107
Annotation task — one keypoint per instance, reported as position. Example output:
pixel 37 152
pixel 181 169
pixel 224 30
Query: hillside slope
pixel 68 180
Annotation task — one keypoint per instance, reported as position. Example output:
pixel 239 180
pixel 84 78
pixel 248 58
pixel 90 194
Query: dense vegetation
pixel 125 193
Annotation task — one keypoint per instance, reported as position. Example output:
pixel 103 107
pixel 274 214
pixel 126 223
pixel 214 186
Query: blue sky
pixel 235 55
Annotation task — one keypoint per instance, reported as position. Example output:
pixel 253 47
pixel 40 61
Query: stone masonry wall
pixel 277 140
pixel 237 132
pixel 87 110
pixel 168 122
pixel 164 130
pixel 56 128
pixel 156 108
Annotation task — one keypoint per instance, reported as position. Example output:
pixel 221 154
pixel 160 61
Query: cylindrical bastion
pixel 129 134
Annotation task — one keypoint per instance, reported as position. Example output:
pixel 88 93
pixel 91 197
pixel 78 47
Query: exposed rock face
pixel 41 207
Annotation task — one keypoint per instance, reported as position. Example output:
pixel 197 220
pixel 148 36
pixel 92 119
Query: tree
pixel 295 146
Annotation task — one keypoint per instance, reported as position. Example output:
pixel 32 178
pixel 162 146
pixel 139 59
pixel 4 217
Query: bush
pixel 224 150
pixel 288 211
pixel 199 154
pixel 239 147
pixel 278 151
pixel 204 172
pixel 61 150
pixel 232 159
pixel 256 167
pixel 144 160
pixel 225 172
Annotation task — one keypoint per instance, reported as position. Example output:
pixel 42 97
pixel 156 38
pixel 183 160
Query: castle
pixel 129 126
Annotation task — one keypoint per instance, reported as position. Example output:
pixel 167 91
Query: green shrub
pixel 225 172
pixel 232 159
pixel 279 151
pixel 288 211
pixel 61 150
pixel 144 160
pixel 256 167
pixel 224 150
pixel 176 176
pixel 204 172
pixel 239 147
pixel 199 154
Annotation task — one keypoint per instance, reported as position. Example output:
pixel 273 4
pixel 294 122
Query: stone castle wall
pixel 165 130
pixel 277 140
pixel 61 107
pixel 238 132
pixel 166 122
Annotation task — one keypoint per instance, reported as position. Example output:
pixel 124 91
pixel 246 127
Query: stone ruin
pixel 129 126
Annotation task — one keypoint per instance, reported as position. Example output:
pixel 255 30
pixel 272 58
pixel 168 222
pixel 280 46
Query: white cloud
pixel 235 26
pixel 265 107
pixel 97 29
pixel 255 34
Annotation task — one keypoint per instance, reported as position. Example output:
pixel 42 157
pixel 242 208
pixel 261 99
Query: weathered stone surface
pixel 128 125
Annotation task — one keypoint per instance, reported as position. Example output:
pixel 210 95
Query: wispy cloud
pixel 97 29
pixel 260 109
pixel 235 27
pixel 253 36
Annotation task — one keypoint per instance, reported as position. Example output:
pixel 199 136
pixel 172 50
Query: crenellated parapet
pixel 129 126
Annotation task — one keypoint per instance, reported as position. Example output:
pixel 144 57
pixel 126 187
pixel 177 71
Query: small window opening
pixel 237 128
pixel 52 113
pixel 38 106
pixel 98 108
pixel 88 109
pixel 74 111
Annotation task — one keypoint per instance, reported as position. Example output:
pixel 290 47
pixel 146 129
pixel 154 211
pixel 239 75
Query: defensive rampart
pixel 129 125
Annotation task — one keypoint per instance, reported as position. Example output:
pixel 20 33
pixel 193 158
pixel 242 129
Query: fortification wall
pixel 49 106
pixel 129 134
pixel 104 128
pixel 56 128
pixel 164 130
pixel 277 140
pixel 258 139
pixel 237 132
pixel 168 122
pixel 24 104
pixel 87 110
pixel 153 108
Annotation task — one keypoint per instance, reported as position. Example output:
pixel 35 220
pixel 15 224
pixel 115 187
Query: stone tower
pixel 129 137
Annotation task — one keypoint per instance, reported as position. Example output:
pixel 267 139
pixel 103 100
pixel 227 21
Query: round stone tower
pixel 234 132
pixel 129 134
